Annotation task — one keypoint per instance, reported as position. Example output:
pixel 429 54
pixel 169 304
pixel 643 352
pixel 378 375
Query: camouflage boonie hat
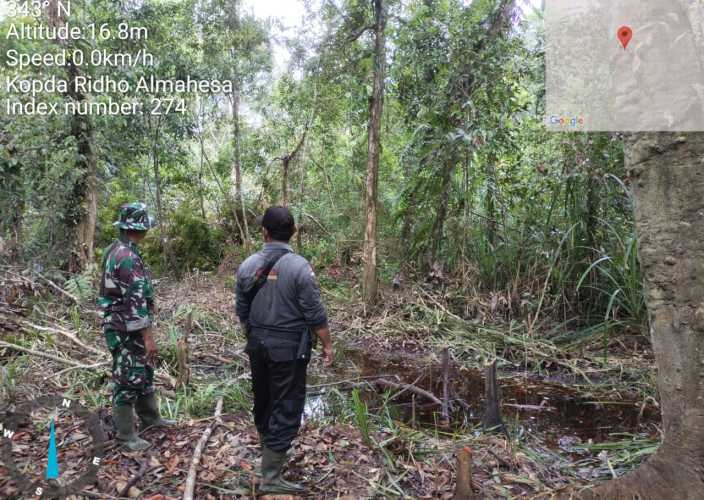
pixel 134 216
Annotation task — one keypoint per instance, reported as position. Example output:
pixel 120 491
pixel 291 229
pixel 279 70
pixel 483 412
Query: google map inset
pixel 625 66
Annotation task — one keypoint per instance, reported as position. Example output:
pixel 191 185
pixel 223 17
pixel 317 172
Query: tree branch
pixel 193 470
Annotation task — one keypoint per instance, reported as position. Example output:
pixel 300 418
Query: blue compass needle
pixel 52 466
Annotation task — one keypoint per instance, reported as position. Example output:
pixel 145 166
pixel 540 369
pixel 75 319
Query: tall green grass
pixel 360 412
pixel 618 282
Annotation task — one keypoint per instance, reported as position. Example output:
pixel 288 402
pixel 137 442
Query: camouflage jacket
pixel 126 292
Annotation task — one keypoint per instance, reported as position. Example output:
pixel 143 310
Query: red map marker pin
pixel 625 33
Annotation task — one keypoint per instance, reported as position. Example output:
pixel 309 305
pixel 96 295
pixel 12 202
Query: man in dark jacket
pixel 278 303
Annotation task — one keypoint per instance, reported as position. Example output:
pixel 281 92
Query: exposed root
pixel 664 476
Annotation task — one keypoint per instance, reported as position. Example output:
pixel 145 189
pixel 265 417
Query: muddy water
pixel 560 413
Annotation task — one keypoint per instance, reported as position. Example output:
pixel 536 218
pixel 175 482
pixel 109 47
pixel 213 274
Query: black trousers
pixel 279 385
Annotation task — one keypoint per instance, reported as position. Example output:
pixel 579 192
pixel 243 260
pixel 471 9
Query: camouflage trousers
pixel 132 376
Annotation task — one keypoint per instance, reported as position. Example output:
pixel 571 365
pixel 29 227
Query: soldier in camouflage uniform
pixel 127 302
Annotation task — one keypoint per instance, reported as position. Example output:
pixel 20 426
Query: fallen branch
pixel 410 388
pixel 46 355
pixel 216 357
pixel 462 403
pixel 540 407
pixel 193 470
pixel 59 289
pixel 134 479
pixel 399 393
pixel 71 368
pixel 351 381
pixel 69 335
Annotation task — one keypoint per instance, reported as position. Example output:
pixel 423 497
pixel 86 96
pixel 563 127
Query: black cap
pixel 279 223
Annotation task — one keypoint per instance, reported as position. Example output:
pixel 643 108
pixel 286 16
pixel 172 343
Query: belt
pixel 303 337
pixel 278 333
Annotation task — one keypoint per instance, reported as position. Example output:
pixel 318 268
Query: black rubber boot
pixel 272 482
pixel 148 411
pixel 123 416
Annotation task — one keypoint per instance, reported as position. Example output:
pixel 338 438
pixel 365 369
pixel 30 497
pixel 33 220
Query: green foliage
pixel 190 243
pixel 625 453
pixel 361 417
pixel 82 286
pixel 470 181
pixel 620 283
pixel 10 372
pixel 199 401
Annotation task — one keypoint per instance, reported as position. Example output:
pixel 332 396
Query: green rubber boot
pixel 272 482
pixel 124 423
pixel 148 411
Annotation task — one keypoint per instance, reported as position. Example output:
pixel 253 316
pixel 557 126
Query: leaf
pixel 172 463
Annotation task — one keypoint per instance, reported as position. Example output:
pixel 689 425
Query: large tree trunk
pixel 369 279
pixel 84 213
pixel 668 177
pixel 234 19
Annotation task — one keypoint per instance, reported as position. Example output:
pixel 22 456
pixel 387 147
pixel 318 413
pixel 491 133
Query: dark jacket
pixel 290 298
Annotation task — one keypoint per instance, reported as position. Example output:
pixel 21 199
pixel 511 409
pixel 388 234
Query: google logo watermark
pixel 566 121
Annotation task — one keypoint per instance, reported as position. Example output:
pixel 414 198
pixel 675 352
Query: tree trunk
pixel 234 18
pixel 490 200
pixel 369 279
pixel 466 207
pixel 82 213
pixel 157 185
pixel 85 192
pixel 439 225
pixel 284 181
pixel 237 160
pixel 201 187
pixel 237 167
pixel 410 214
pixel 668 184
pixel 14 250
pixel 286 162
